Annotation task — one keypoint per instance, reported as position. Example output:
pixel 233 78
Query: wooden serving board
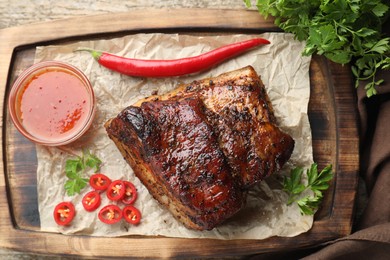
pixel 332 114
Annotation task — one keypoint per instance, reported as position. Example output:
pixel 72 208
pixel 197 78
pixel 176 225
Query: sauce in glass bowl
pixel 52 103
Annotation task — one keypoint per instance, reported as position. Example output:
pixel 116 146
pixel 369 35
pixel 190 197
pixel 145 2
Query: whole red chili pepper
pixel 176 67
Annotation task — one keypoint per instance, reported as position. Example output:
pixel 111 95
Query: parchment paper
pixel 285 74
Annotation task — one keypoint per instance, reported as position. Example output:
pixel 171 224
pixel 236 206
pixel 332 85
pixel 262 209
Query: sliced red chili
pixel 116 190
pixel 131 214
pixel 130 193
pixel 99 181
pixel 91 201
pixel 110 214
pixel 64 213
pixel 176 67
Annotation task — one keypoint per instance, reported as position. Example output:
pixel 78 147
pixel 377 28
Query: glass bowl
pixel 52 103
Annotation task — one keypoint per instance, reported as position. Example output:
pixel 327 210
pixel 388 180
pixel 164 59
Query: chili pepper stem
pixel 95 54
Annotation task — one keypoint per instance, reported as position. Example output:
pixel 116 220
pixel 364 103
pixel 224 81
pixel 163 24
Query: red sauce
pixel 54 104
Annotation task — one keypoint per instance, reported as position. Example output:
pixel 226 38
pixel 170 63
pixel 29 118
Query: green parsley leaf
pixel 73 165
pixel 364 32
pixel 309 205
pixel 74 186
pixel 312 174
pixel 74 170
pixel 92 161
pixel 339 56
pixel 316 182
pixel 344 31
pixel 380 9
pixel 248 3
pixel 381 46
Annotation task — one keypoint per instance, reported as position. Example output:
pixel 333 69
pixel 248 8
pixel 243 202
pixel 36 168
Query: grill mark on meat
pixel 237 108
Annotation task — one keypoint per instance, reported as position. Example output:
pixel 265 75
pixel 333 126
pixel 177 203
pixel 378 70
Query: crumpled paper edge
pixel 285 74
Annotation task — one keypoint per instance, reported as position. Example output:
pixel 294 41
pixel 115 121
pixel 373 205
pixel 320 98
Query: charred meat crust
pixel 199 148
pixel 237 105
pixel 180 148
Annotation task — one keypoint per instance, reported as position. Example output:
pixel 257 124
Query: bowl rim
pixel 20 83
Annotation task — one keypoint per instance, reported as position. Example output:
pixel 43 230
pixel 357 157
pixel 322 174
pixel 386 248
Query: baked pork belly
pixel 199 148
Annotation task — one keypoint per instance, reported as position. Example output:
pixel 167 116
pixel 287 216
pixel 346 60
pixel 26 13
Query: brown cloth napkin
pixel 370 238
pixel 371 233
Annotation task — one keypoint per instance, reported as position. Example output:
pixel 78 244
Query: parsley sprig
pixel 316 182
pixel 344 31
pixel 75 168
